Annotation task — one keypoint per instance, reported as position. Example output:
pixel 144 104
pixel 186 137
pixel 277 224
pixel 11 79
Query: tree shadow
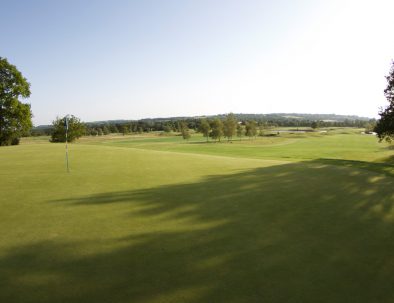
pixel 386 168
pixel 389 160
pixel 299 232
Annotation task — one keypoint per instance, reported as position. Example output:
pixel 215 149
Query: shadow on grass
pixel 386 168
pixel 300 232
pixel 390 160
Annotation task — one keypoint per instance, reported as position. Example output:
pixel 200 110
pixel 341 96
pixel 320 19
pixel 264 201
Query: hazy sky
pixel 103 60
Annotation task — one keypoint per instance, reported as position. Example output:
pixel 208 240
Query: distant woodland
pixel 173 124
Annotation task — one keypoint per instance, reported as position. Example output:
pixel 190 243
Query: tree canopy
pixel 385 125
pixel 230 126
pixel 217 129
pixel 205 128
pixel 15 116
pixel 184 130
pixel 240 131
pixel 75 129
pixel 250 127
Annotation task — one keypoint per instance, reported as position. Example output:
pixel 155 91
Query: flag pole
pixel 66 126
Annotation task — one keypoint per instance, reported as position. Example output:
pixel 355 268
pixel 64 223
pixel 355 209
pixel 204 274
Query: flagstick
pixel 68 169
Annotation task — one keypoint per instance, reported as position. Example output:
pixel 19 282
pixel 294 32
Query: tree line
pixel 15 118
pixel 227 126
pixel 215 129
pixel 194 124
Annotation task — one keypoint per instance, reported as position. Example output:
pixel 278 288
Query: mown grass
pixel 161 220
pixel 336 144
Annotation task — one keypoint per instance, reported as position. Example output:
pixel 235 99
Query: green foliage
pixel 240 131
pixel 184 130
pixel 114 128
pixel 15 116
pixel 370 126
pixel 167 128
pixel 173 124
pixel 229 126
pixel 125 129
pixel 75 129
pixel 92 132
pixel 385 125
pixel 106 130
pixel 262 128
pixel 205 128
pixel 251 128
pixel 217 129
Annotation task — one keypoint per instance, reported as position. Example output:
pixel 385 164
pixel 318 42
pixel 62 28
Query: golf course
pixel 292 217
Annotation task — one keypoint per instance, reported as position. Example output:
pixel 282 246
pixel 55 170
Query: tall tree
pixel 167 128
pixel 251 128
pixel 240 131
pixel 106 130
pixel 100 131
pixel 217 129
pixel 75 129
pixel 15 116
pixel 229 126
pixel 315 124
pixel 385 125
pixel 184 130
pixel 370 126
pixel 205 128
pixel 113 128
pixel 125 129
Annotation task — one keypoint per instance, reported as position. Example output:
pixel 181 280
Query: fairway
pixel 293 218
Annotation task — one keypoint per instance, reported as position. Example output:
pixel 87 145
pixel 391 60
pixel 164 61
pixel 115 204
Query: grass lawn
pixel 294 218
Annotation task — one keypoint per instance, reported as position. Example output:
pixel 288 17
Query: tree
pixel 93 132
pixel 217 129
pixel 75 129
pixel 167 128
pixel 262 127
pixel 370 126
pixel 184 130
pixel 205 128
pixel 125 129
pixel 385 125
pixel 229 126
pixel 240 131
pixel 106 130
pixel 114 128
pixel 15 116
pixel 251 128
pixel 132 127
pixel 100 131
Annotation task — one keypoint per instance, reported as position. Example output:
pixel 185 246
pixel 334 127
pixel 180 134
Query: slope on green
pixel 133 225
pixel 343 147
pixel 338 146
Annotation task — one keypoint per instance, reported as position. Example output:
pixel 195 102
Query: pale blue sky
pixel 103 60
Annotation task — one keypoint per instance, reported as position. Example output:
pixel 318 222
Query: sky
pixel 103 60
